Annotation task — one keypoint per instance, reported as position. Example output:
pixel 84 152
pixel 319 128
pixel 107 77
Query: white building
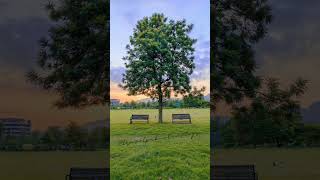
pixel 15 127
pixel 114 102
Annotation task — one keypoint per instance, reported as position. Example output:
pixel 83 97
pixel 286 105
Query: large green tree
pixel 159 59
pixel 236 26
pixel 74 56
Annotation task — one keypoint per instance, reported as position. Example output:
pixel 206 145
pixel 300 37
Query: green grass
pixel 296 164
pixel 150 154
pixel 46 165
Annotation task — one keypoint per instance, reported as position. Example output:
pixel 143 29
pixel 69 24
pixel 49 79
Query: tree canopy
pixel 159 59
pixel 74 58
pixel 273 116
pixel 195 98
pixel 236 27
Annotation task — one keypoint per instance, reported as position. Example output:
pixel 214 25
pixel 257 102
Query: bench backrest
pixel 140 117
pixel 181 116
pixel 99 173
pixel 237 171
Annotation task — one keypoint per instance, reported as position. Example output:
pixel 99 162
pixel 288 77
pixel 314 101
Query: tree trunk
pixel 160 108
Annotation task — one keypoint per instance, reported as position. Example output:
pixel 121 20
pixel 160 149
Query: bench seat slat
pixel 181 118
pixel 88 173
pixel 137 117
pixel 240 172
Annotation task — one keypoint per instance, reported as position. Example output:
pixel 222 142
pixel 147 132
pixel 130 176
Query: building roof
pixel 14 121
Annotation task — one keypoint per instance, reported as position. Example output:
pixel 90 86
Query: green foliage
pixel 195 98
pixel 74 57
pixel 168 104
pixel 98 138
pixel 236 27
pixel 309 135
pixel 273 116
pixel 72 137
pixel 228 134
pixel 1 131
pixel 159 59
pixel 53 137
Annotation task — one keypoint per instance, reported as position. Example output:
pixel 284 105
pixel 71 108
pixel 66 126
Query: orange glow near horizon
pixel 117 93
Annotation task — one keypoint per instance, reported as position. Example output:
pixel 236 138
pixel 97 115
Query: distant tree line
pixel 71 138
pixel 273 118
pixel 166 104
pixel 194 99
pixel 305 135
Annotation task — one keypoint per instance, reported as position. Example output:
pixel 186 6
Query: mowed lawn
pixel 46 165
pixel 293 164
pixel 160 151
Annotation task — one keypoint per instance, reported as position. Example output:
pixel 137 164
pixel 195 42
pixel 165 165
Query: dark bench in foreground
pixel 181 118
pixel 88 174
pixel 234 172
pixel 136 118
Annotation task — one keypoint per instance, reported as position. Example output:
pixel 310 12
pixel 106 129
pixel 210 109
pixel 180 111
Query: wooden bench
pixel 234 172
pixel 88 174
pixel 181 118
pixel 136 117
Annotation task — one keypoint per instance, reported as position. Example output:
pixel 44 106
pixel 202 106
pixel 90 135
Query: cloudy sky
pixel 292 47
pixel 124 16
pixel 22 23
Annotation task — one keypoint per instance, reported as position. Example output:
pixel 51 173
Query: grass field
pixel 295 164
pixel 160 151
pixel 46 165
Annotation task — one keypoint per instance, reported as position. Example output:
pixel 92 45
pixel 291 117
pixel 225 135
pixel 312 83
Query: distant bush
pixel 188 102
pixel 27 147
pixel 73 137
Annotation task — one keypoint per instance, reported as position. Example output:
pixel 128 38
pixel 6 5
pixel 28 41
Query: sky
pixel 291 49
pixel 292 46
pixel 124 16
